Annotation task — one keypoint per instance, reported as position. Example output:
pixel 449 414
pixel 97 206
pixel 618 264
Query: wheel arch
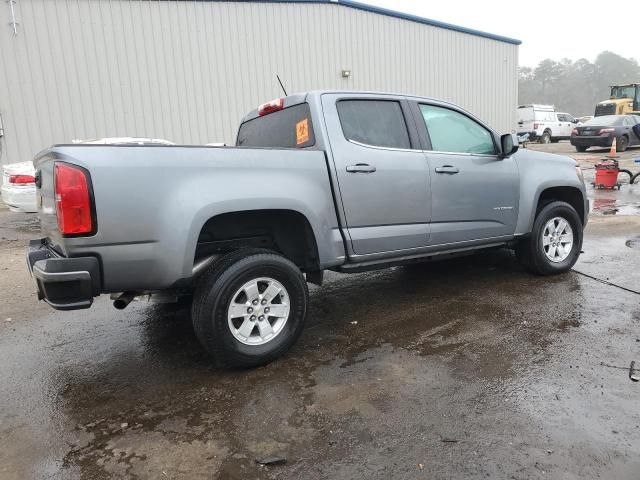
pixel 571 195
pixel 286 231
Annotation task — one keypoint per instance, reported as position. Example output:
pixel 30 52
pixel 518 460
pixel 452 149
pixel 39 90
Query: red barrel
pixel 607 174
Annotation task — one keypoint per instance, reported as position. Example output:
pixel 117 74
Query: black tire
pixel 546 137
pixel 581 149
pixel 213 296
pixel 530 250
pixel 622 144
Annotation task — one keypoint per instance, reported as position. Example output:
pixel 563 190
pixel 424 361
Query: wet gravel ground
pixel 465 369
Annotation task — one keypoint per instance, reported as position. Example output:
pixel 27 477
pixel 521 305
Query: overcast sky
pixel 548 29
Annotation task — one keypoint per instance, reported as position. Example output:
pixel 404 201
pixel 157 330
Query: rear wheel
pixel 622 143
pixel 555 241
pixel 546 137
pixel 581 149
pixel 250 307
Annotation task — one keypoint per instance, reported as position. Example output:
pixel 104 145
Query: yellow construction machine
pixel 624 99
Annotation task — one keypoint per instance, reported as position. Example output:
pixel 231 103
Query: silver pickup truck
pixel 325 180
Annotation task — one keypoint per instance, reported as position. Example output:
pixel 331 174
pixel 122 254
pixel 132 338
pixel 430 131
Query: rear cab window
pixel 374 123
pixel 290 127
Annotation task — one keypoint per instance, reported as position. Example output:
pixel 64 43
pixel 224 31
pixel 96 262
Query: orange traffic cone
pixel 613 153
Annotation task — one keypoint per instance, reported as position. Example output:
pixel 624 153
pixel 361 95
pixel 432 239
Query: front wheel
pixel 250 308
pixel 555 241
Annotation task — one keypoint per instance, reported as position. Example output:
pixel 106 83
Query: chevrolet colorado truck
pixel 325 180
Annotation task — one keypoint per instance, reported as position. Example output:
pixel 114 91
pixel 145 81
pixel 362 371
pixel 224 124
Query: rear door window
pixel 378 123
pixel 288 128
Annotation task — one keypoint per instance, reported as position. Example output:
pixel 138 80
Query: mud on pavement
pixel 465 369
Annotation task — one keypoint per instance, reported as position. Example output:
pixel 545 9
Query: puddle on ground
pixel 613 206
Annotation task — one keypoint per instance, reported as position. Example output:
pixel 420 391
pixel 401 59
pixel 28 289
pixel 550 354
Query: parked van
pixel 544 124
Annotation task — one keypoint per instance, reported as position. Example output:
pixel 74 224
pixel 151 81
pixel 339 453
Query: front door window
pixel 451 131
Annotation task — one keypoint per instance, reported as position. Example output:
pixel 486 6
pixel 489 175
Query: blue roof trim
pixel 404 16
pixel 425 21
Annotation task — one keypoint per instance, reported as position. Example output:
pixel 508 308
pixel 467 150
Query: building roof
pixel 403 16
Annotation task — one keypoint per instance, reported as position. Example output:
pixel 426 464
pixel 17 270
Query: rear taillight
pixel 73 201
pixel 606 130
pixel 535 126
pixel 574 131
pixel 21 179
pixel 270 107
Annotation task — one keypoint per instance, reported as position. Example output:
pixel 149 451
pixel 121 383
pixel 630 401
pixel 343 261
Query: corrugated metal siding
pixel 188 71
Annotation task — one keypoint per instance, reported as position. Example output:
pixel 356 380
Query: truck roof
pixel 296 98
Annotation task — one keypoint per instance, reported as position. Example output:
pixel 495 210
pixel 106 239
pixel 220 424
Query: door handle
pixel 451 170
pixel 361 168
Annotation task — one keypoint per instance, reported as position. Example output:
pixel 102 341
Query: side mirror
pixel 509 145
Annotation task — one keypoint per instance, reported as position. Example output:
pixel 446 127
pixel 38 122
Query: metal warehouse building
pixel 188 71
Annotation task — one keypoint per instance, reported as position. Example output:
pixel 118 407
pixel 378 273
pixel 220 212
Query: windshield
pixel 623 92
pixel 605 121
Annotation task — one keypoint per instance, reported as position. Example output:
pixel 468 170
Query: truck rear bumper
pixel 64 283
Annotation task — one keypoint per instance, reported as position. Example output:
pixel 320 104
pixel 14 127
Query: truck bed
pixel 151 203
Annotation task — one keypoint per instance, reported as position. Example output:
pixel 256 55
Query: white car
pixel 18 179
pixel 19 187
pixel 544 124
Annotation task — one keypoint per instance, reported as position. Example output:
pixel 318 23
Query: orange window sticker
pixel 302 131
